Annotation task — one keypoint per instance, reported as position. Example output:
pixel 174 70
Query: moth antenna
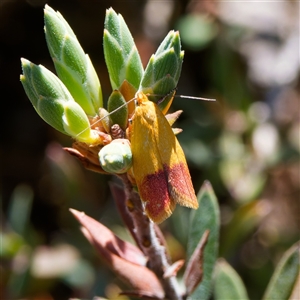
pixel 196 98
pixel 184 96
pixel 181 96
pixel 99 120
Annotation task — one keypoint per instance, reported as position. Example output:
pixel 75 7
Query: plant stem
pixel 149 242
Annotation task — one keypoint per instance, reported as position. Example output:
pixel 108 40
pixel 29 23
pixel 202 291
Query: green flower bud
pixel 163 70
pixel 55 105
pixel 122 58
pixel 72 65
pixel 116 157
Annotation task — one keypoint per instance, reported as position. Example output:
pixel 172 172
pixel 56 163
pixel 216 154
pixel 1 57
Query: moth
pixel 159 165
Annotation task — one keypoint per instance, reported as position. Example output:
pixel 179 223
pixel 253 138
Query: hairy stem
pixel 149 241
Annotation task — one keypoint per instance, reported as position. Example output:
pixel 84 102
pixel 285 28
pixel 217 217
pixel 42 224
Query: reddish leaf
pixel 125 259
pixel 106 239
pixel 194 270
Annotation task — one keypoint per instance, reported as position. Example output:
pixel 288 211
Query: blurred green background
pixel 244 54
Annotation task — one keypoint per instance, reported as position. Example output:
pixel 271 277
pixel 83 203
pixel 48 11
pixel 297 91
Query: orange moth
pixel 159 164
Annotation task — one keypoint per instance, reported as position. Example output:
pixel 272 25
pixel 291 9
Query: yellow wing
pixel 159 164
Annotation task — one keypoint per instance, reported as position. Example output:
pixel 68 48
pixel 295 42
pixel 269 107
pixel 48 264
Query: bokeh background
pixel 244 54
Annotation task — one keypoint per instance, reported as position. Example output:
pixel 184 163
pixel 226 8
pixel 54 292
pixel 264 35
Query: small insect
pixel 159 165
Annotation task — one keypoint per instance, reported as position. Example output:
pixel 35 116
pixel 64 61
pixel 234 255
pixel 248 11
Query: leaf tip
pixel 77 214
pixel 207 185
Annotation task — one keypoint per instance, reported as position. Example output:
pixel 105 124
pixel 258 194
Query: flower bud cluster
pixel 72 102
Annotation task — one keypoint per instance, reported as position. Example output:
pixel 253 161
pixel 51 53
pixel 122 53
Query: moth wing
pixel 175 166
pixel 159 164
pixel 148 168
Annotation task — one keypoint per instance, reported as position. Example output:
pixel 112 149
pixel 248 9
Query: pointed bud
pixel 122 58
pixel 55 105
pixel 163 70
pixel 116 157
pixel 116 105
pixel 72 65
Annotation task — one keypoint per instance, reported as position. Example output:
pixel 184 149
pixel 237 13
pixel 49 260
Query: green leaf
pixel 172 40
pixel 227 283
pixel 72 65
pixel 121 56
pixel 284 279
pixel 113 58
pixel 75 123
pixel 46 93
pixel 66 76
pixel 168 63
pixel 207 216
pixel 163 70
pixel 55 105
pixel 52 112
pixel 120 116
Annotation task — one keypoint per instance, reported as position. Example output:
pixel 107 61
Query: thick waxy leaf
pixel 55 105
pixel 228 284
pixel 207 217
pixel 72 65
pixel 285 280
pixel 163 70
pixel 118 115
pixel 121 55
